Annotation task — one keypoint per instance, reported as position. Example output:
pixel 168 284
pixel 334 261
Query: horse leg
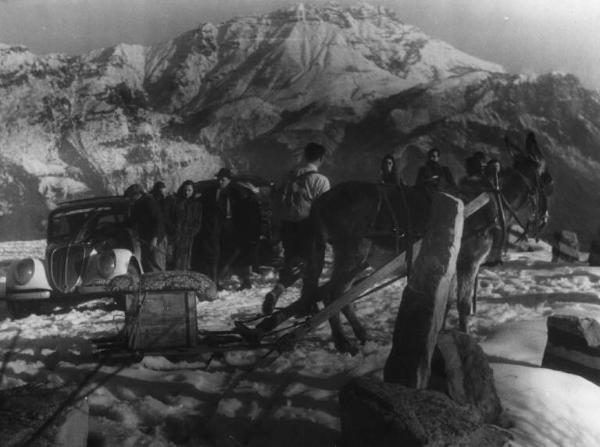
pixel 315 261
pixel 467 268
pixel 452 298
pixel 348 263
pixel 359 330
pixel 466 275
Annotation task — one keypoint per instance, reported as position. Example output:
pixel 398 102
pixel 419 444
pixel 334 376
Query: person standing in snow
pixel 148 220
pixel 302 187
pixel 186 218
pixel 225 241
pixel 165 202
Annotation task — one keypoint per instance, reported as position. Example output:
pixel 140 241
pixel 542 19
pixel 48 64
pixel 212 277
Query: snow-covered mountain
pixel 252 91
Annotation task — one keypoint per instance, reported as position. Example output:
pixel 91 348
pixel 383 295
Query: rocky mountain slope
pixel 252 91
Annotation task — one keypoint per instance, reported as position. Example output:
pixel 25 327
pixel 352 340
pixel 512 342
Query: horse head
pixel 528 184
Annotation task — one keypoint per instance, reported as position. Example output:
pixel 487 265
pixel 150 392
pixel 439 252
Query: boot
pixel 246 281
pixel 271 299
pixel 246 284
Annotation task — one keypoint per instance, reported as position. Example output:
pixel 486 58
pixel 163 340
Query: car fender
pixel 39 280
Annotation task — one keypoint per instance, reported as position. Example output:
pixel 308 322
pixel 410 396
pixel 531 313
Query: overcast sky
pixel 526 36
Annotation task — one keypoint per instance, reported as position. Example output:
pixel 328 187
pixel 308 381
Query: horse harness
pixel 533 197
pixel 406 234
pixel 397 232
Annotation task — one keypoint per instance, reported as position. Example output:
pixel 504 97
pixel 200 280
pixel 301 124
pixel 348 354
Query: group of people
pixel 208 231
pixel 481 174
pixel 433 176
pixel 201 231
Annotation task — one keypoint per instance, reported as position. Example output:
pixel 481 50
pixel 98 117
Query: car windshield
pixel 67 225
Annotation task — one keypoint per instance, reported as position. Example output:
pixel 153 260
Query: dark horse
pixel 368 224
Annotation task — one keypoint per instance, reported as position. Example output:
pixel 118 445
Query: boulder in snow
pixel 594 258
pixel 374 413
pixel 460 369
pixel 565 246
pixel 515 239
pixel 573 346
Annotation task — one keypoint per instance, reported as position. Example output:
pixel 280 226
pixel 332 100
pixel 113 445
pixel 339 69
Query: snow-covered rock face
pixel 252 91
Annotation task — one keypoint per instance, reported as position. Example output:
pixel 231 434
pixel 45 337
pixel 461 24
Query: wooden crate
pixel 161 319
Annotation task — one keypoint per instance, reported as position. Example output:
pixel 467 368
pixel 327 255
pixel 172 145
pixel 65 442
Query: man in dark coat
pixel 433 176
pixel 230 229
pixel 148 220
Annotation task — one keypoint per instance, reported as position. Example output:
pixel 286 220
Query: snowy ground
pixel 294 400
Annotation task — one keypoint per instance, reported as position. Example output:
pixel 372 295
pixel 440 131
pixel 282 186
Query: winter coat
pixel 147 218
pixel 186 216
pixel 435 177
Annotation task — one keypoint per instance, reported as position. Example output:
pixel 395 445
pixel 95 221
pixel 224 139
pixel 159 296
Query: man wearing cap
pixel 148 220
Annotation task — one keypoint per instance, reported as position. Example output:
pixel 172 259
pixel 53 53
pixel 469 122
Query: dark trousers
pixel 295 238
pixel 154 259
pixel 182 251
pixel 221 248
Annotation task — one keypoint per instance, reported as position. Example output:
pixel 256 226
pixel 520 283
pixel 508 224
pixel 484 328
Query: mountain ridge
pixel 250 92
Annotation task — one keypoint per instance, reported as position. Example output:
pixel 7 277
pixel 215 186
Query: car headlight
pixel 107 263
pixel 24 271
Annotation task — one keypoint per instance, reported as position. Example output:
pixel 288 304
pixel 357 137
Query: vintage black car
pixel 89 242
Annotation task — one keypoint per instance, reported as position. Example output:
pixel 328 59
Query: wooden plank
pixel 478 202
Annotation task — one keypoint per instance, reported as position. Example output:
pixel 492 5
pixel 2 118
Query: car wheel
pixel 22 309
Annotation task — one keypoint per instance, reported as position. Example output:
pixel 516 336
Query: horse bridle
pixel 535 196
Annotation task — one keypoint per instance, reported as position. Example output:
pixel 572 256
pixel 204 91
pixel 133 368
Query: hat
pixel 224 172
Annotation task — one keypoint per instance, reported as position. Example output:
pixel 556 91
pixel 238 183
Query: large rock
pixel 23 410
pixel 565 246
pixel 573 346
pixel 594 258
pixel 460 369
pixel 378 414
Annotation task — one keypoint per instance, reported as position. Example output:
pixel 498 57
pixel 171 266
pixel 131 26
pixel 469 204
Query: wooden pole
pixel 422 310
